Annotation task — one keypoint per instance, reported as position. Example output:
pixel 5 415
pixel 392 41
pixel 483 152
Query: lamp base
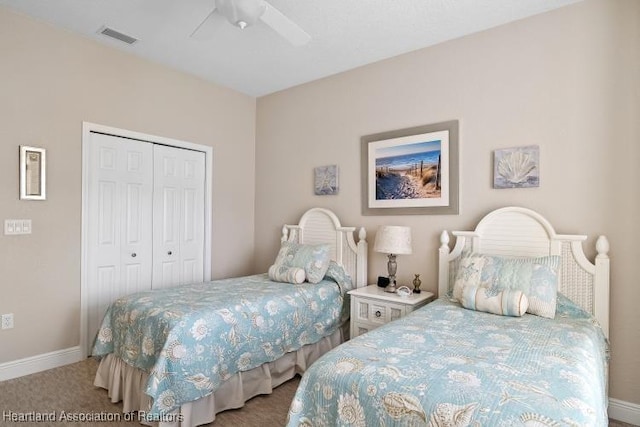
pixel 392 267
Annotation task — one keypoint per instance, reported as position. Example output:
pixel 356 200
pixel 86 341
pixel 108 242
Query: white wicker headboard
pixel 519 232
pixel 319 225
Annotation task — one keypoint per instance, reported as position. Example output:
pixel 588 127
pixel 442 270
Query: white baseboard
pixel 39 363
pixel 624 411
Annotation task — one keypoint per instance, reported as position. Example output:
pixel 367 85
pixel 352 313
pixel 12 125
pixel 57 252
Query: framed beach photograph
pixel 33 181
pixel 411 171
pixel 517 167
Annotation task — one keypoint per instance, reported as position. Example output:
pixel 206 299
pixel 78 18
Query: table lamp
pixel 393 240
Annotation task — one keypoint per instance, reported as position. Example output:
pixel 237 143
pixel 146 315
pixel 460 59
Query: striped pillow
pixel 286 274
pixel 506 303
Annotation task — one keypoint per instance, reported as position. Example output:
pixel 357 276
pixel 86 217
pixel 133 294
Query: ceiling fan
pixel 244 13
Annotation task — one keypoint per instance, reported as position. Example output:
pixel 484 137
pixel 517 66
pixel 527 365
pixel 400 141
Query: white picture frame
pixel 33 176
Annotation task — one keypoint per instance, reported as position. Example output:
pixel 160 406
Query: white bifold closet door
pixel 178 226
pixel 145 220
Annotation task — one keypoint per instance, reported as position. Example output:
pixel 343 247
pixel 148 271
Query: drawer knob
pixel 378 313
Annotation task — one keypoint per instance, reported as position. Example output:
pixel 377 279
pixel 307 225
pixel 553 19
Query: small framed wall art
pixel 326 180
pixel 33 176
pixel 517 167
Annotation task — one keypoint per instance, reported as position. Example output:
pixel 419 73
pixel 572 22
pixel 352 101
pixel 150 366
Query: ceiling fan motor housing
pixel 241 13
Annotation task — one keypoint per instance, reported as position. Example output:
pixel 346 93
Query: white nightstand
pixel 371 307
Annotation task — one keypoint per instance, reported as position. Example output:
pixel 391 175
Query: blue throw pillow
pixel 536 277
pixel 314 259
pixel 338 274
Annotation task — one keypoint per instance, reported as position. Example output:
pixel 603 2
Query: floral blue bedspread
pixel 192 338
pixel 443 365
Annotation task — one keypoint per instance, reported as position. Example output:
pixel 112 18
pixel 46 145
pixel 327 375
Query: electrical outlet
pixel 7 321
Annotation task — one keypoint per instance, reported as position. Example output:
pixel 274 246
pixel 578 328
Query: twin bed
pixel 443 365
pixel 180 355
pixel 446 365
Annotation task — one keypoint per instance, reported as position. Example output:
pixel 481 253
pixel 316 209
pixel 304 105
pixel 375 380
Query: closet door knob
pixel 133 255
pixel 169 253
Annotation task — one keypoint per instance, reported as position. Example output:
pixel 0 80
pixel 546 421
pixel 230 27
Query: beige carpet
pixel 70 389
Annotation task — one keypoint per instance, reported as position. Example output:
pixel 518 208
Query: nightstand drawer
pixel 371 307
pixel 372 311
pixel 361 328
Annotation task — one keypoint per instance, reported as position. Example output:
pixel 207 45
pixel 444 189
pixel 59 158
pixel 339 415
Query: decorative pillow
pixel 468 273
pixel 314 259
pixel 506 303
pixel 336 273
pixel 286 274
pixel 536 277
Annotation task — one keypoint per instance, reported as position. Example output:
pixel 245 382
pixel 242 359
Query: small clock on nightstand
pixel 371 307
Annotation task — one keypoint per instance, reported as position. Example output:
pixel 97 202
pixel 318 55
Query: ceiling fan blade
pixel 209 27
pixel 284 26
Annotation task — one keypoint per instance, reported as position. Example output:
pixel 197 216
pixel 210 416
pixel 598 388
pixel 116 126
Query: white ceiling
pixel 344 33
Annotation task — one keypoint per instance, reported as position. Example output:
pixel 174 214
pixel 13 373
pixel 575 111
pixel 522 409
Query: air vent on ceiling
pixel 110 32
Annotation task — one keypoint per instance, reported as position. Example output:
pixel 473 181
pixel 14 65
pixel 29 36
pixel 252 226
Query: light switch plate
pixel 17 226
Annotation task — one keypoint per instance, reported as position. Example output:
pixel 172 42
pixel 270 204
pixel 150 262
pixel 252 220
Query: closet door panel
pixel 119 246
pixel 136 251
pixel 179 233
pixel 192 233
pixel 166 223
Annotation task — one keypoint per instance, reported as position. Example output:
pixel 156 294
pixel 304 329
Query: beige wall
pixel 565 80
pixel 50 82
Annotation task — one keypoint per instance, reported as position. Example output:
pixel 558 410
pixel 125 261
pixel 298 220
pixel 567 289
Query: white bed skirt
pixel 126 383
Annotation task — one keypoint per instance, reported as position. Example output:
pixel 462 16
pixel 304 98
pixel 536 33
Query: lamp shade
pixel 393 239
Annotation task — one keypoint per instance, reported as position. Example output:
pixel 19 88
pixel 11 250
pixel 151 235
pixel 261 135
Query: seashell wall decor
pixel 517 167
